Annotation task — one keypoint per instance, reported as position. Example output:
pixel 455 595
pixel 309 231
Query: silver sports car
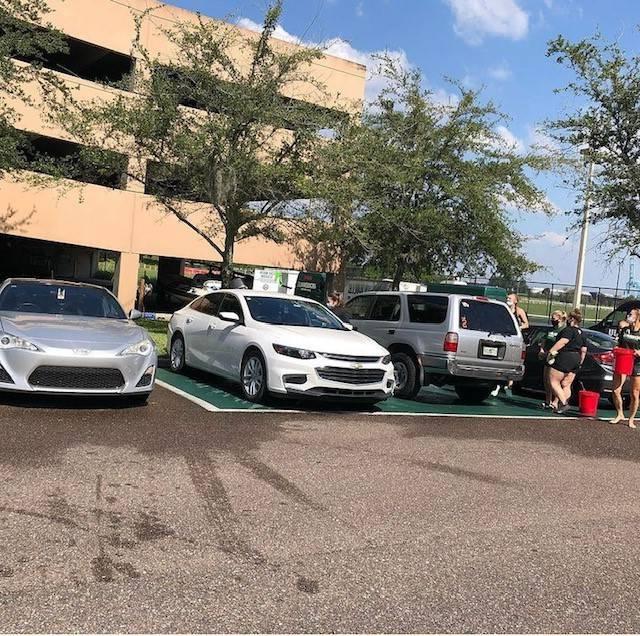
pixel 59 337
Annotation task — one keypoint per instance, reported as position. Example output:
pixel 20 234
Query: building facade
pixel 65 231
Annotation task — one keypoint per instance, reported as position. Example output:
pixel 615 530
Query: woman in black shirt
pixel 565 358
pixel 628 338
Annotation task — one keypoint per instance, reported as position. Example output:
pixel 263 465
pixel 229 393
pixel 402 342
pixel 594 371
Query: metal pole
pixel 577 296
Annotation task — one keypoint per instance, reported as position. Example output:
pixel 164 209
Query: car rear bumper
pixel 451 367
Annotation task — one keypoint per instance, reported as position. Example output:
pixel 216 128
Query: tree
pixel 24 34
pixel 225 150
pixel 606 122
pixel 437 180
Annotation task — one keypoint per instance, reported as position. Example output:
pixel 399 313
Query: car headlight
pixel 293 352
pixel 386 359
pixel 7 341
pixel 142 348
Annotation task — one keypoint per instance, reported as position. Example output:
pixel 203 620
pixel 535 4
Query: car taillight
pixel 606 357
pixel 451 342
pixel 523 355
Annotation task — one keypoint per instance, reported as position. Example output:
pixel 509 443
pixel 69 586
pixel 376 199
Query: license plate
pixel 490 352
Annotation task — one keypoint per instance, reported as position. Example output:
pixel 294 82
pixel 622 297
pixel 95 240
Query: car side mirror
pixel 229 316
pixel 348 326
pixel 134 314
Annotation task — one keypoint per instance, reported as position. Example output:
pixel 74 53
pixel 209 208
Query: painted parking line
pixel 219 396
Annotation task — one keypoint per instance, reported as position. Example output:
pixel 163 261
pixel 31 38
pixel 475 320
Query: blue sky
pixel 495 44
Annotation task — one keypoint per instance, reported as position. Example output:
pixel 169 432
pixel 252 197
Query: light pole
pixel 584 235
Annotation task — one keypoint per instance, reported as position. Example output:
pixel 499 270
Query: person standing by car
pixel 523 321
pixel 628 338
pixel 558 322
pixel 565 358
pixel 334 303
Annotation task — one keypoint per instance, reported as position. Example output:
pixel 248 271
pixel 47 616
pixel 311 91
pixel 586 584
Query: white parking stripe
pixel 187 396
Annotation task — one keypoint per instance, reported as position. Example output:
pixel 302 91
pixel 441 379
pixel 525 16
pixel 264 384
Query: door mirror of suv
pixel 134 314
pixel 229 316
pixel 348 326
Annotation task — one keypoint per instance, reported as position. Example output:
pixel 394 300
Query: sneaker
pixel 496 391
pixel 545 406
pixel 563 408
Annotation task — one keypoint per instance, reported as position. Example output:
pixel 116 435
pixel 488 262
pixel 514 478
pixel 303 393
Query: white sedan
pixel 274 343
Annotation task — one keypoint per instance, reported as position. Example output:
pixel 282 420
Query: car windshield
pixel 65 300
pixel 480 315
pixel 291 312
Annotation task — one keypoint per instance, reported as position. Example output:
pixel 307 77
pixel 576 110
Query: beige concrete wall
pixel 127 221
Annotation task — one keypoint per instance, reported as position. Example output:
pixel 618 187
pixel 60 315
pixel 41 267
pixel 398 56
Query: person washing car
pixel 558 322
pixel 628 338
pixel 565 358
pixel 334 303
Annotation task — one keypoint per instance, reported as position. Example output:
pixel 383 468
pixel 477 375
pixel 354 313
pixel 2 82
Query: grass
pixel 539 307
pixel 158 331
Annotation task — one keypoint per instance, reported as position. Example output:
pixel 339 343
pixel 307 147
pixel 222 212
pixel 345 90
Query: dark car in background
pixel 609 324
pixel 596 374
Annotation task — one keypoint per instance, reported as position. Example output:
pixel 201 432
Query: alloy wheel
pixel 253 376
pixel 401 374
pixel 177 354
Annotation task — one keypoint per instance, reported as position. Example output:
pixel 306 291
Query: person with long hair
pixel 628 338
pixel 565 358
pixel 558 323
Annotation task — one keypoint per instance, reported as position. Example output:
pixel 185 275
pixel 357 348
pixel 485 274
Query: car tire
pixel 406 373
pixel 253 377
pixel 177 354
pixel 471 394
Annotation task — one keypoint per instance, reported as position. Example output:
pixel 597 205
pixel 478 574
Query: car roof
pixel 586 331
pixel 467 296
pixel 52 282
pixel 263 294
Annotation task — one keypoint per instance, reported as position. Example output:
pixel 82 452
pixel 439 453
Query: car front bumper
pixel 303 378
pixel 61 371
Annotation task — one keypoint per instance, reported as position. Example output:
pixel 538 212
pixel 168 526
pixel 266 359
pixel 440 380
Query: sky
pixel 494 45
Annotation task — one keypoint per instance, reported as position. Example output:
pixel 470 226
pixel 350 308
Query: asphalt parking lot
pixel 175 518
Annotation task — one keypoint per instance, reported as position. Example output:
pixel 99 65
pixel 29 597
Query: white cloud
pixel 509 140
pixel 548 3
pixel 475 19
pixel 500 73
pixel 338 47
pixel 552 239
pixel 360 9
pixel 542 142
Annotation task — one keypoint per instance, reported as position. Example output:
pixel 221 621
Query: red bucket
pixel 588 402
pixel 624 361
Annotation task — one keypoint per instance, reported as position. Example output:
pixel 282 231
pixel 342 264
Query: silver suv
pixel 470 342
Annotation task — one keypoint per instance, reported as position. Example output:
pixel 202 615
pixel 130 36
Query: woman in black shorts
pixel 628 338
pixel 565 358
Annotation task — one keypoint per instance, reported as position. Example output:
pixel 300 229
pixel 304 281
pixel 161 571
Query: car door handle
pixel 211 328
pixel 189 321
pixel 391 332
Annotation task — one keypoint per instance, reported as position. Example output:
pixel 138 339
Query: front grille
pixel 76 378
pixel 351 376
pixel 4 376
pixel 343 358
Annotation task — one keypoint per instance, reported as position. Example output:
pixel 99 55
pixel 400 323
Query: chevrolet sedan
pixel 279 344
pixel 74 339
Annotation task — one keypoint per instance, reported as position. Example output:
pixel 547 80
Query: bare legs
pixel 635 399
pixel 618 383
pixel 556 380
pixel 549 398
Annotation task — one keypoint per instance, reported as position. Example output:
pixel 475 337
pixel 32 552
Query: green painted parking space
pixel 221 395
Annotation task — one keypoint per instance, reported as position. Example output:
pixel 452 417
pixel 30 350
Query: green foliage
pixel 22 35
pixel 215 130
pixel 422 187
pixel 606 82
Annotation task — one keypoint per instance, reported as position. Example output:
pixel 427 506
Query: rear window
pixel 478 315
pixel 599 340
pixel 430 310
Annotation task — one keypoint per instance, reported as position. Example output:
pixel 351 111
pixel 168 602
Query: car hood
pixel 58 330
pixel 326 340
